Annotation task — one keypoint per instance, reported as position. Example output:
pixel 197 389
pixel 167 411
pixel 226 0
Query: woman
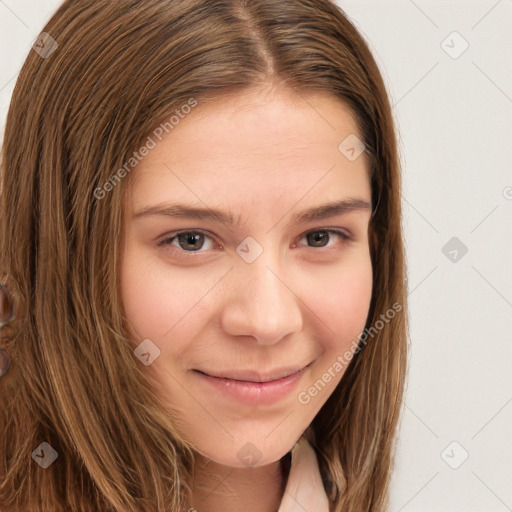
pixel 207 262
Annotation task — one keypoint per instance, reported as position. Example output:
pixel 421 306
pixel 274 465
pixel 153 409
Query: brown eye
pixel 191 241
pixel 188 241
pixel 321 238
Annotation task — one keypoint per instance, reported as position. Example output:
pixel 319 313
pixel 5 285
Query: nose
pixel 260 303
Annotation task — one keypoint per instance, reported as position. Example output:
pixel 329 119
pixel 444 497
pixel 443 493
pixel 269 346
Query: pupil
pixel 319 236
pixel 191 239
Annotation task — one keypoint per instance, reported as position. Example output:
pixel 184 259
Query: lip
pixel 257 391
pixel 254 376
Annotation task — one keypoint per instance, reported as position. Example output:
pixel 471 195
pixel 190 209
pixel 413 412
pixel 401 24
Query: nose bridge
pixel 262 303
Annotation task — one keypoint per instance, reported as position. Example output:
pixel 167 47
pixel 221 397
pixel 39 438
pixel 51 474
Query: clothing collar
pixel 304 490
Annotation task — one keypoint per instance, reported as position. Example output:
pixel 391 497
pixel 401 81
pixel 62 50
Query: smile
pixel 251 388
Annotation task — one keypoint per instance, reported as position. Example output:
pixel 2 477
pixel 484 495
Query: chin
pixel 245 454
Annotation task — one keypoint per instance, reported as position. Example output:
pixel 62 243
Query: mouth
pixel 254 376
pixel 252 387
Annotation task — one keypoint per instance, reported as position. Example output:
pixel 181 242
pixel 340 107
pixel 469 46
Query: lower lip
pixel 254 392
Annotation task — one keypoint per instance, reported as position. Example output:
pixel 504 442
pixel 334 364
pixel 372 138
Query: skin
pixel 264 155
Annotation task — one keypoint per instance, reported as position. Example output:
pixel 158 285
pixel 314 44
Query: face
pixel 227 303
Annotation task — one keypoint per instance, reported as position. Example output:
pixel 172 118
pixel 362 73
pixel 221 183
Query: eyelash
pixel 167 241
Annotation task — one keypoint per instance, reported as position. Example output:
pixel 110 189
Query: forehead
pixel 260 120
pixel 252 145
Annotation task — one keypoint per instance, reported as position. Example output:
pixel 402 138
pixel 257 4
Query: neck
pixel 219 488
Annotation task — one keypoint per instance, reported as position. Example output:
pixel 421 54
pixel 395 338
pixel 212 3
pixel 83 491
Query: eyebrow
pixel 321 212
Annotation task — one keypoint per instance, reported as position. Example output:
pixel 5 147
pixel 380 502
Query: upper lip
pixel 255 376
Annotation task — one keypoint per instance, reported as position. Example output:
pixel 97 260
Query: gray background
pixel 454 115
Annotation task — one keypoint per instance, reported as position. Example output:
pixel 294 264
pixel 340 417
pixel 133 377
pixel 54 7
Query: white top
pixel 305 490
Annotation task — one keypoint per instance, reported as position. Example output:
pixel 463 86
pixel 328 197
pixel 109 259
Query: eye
pixel 193 241
pixel 320 237
pixel 189 241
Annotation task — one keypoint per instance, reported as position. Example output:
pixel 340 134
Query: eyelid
pixel 345 234
pixel 174 234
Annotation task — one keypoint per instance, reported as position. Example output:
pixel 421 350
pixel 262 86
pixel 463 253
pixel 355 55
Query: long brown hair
pixel 79 110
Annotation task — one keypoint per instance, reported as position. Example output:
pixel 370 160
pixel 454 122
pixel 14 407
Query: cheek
pixel 342 301
pixel 147 298
pixel 162 305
